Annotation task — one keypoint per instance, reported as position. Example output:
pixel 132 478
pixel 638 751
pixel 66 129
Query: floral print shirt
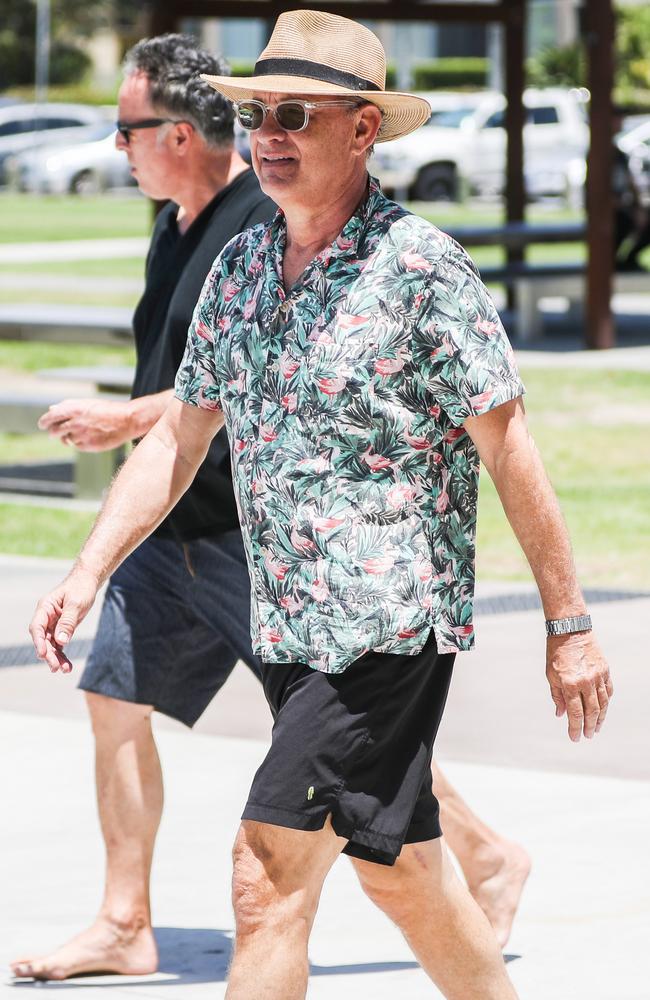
pixel 344 400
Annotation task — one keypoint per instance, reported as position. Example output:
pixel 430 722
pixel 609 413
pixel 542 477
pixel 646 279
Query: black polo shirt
pixel 177 265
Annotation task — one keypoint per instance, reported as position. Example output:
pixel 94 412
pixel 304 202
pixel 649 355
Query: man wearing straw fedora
pixel 361 370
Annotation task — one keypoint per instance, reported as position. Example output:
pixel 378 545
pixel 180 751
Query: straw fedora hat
pixel 314 53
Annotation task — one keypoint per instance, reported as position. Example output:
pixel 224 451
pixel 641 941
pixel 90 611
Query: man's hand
pixel 57 616
pixel 89 424
pixel 580 682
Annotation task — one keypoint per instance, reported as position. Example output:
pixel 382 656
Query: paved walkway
pixel 66 250
pixel 583 812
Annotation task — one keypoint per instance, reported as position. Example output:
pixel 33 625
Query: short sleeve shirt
pixel 344 400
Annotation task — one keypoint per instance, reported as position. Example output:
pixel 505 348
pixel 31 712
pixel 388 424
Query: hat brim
pixel 402 113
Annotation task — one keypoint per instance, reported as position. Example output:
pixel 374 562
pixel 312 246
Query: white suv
pixel 467 151
pixel 25 126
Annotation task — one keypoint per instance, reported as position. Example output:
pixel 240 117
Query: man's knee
pixel 116 720
pixel 267 891
pixel 397 890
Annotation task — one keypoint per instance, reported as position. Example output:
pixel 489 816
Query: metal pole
pixel 42 71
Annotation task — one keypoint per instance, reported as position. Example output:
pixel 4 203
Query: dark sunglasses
pixel 292 116
pixel 125 128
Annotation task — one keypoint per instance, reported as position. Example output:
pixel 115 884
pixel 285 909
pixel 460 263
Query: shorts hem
pixel 170 713
pixel 288 818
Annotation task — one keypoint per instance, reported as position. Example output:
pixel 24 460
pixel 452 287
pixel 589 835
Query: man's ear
pixel 367 128
pixel 184 135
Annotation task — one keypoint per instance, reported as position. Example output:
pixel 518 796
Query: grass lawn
pixel 26 218
pixel 42 531
pixel 593 429
pixel 17 356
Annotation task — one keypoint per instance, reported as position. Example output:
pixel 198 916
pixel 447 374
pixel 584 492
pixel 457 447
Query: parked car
pixel 635 143
pixel 84 168
pixel 438 161
pixel 25 126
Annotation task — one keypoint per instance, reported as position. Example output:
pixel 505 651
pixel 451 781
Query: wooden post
pixel 599 37
pixel 515 31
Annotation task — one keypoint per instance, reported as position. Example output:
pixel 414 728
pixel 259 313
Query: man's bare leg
pixel 277 880
pixel 447 931
pixel 495 869
pixel 130 799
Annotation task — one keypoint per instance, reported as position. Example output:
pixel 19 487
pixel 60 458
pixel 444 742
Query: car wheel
pixel 437 182
pixel 85 182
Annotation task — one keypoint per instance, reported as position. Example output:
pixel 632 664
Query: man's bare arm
pixel 576 670
pixel 98 424
pixel 149 484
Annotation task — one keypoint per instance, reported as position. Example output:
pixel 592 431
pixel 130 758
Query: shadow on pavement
pixel 202 955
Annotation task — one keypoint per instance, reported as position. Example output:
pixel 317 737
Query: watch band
pixel 565 626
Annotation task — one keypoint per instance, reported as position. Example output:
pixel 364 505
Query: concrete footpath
pixel 582 811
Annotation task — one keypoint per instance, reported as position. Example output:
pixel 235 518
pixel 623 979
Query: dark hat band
pixel 313 71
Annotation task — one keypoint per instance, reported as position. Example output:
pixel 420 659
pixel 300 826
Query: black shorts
pixel 175 620
pixel 357 746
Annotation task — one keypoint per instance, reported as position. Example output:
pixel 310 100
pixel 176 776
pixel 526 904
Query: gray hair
pixel 173 65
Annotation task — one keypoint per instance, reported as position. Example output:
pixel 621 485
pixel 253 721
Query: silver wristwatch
pixel 565 626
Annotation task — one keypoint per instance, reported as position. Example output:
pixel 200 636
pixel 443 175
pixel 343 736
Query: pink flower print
pixel 290 402
pixel 375 462
pixel 434 411
pixel 462 630
pixel 332 386
pixel 240 446
pixel 326 523
pixel 288 365
pixel 453 434
pixel 443 497
pixel 480 401
pixel 427 602
pixel 389 366
pixel 267 433
pixel 316 465
pixel 436 457
pixel 272 635
pixel 379 565
pixel 229 289
pixel 348 322
pixel 438 352
pixel 206 403
pixel 301 543
pixel 422 567
pixel 415 441
pixel 204 331
pixel 487 327
pixel 399 495
pixel 417 301
pixel 344 244
pixel 250 305
pixel 319 590
pixel 291 605
pixel 275 568
pixel 415 262
pixel 238 383
pixel 320 336
pixel 407 633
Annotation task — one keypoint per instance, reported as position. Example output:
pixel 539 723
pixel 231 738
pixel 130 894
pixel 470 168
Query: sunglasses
pixel 125 128
pixel 292 116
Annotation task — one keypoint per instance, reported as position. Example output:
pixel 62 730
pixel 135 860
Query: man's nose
pixel 271 128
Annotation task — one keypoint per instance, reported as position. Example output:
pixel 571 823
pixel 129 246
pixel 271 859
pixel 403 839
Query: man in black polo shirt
pixel 175 618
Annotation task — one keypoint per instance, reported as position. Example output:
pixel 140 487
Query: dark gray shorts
pixel 175 620
pixel 355 746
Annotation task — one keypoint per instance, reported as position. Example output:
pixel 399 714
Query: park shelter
pixel 597 30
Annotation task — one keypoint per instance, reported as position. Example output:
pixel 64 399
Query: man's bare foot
pixel 497 889
pixel 108 947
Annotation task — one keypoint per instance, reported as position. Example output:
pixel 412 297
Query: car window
pixel 542 116
pixel 496 120
pixel 63 122
pixel 450 119
pixel 17 126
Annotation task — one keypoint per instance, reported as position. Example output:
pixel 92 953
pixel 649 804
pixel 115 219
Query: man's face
pixel 304 168
pixel 148 150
